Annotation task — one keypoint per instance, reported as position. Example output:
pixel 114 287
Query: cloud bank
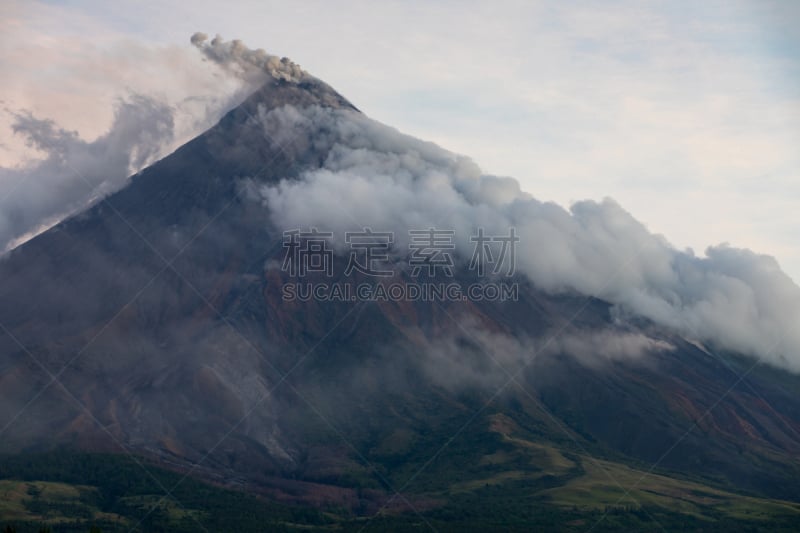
pixel 374 176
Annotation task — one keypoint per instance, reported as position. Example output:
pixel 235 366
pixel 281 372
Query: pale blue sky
pixel 687 113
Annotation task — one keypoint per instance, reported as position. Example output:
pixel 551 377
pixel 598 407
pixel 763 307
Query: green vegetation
pixel 74 492
pixel 527 487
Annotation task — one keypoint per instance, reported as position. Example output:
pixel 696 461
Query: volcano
pixel 155 325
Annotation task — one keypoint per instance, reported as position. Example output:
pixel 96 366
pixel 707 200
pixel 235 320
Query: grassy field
pixel 60 506
pixel 529 486
pixel 605 484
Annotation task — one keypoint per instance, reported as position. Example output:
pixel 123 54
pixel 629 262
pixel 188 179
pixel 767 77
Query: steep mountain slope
pixel 154 323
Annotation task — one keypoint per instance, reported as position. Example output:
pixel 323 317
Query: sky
pixel 686 113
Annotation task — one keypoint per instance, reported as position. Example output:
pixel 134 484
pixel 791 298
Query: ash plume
pixel 243 61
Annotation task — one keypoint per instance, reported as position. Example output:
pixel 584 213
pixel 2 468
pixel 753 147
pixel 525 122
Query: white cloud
pixel 376 177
